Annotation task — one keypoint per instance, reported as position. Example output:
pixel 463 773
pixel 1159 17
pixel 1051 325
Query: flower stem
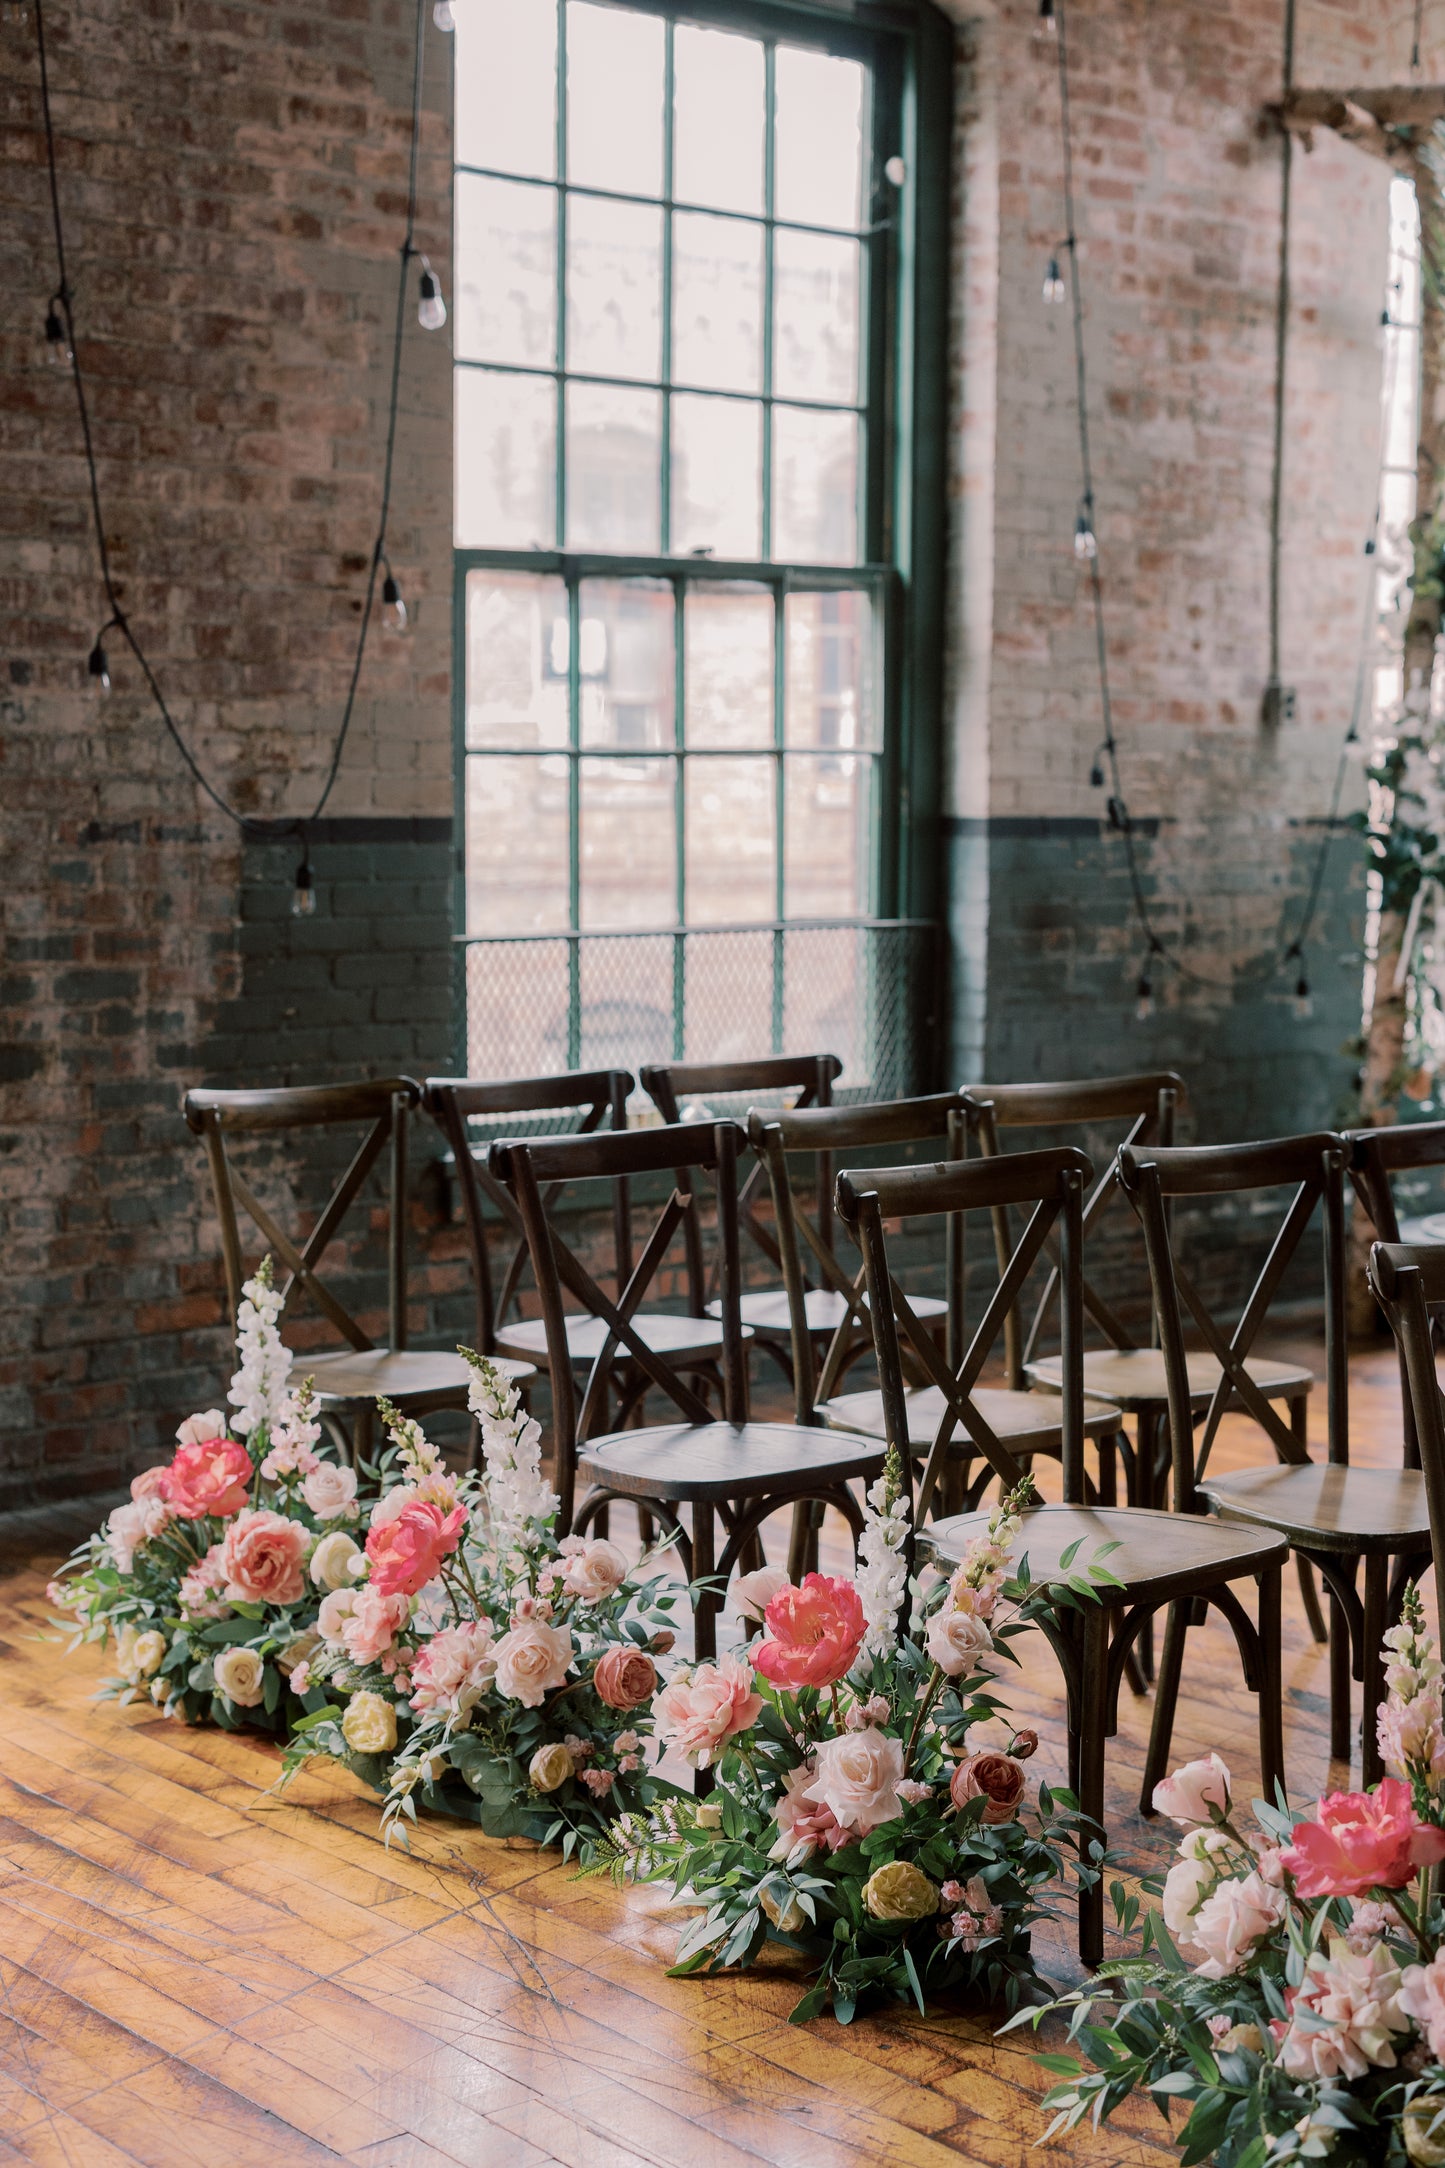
pixel 926 1701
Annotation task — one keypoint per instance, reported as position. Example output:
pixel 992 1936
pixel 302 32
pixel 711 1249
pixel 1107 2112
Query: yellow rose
pixel 1250 2037
pixel 240 1676
pixel 789 1919
pixel 709 1814
pixel 369 1725
pixel 1422 2127
pixel 331 1561
pixel 900 1891
pixel 146 1653
pixel 549 1767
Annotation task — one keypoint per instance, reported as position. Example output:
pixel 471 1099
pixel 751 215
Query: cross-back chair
pixel 1161 1557
pixel 1026 1422
pixel 1333 1515
pixel 718 1467
pixel 347 1380
pixel 1408 1280
pixel 1377 1156
pixel 809 1078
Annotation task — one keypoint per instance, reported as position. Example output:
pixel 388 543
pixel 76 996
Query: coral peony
pixel 208 1476
pixel 625 1677
pixel 1362 1841
pixel 532 1660
pixel 1193 1793
pixel 407 1551
pixel 815 1632
pixel 996 1778
pixel 263 1557
pixel 698 1712
pixel 857 1775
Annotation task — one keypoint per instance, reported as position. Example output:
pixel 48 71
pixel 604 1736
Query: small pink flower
pixel 910 1791
pixel 1362 1841
pixel 579 1748
pixel 1193 1792
pixel 814 1633
pixel 264 1556
pixel 454 1668
pixel 599 1782
pixel 951 1893
pixel 301 1678
pixel 699 1712
pixel 628 1762
pixel 200 1594
pixel 531 1607
pixel 627 1742
pixel 408 1551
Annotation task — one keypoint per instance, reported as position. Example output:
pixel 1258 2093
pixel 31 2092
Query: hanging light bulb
pixel 98 666
pixel 1096 773
pixel 393 609
pixel 1086 547
pixel 57 342
pixel 1054 290
pixel 303 892
pixel 1047 17
pixel 431 310
pixel 1303 1000
pixel 442 15
pixel 1144 997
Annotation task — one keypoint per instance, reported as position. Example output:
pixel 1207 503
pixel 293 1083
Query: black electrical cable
pixel 63 299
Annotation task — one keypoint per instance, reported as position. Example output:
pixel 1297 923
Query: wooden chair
pixel 719 1468
pixel 1026 1423
pixel 1376 1157
pixel 1408 1280
pixel 1333 1515
pixel 348 1380
pixel 1162 1558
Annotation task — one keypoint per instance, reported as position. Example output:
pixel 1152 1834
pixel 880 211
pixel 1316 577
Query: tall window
pixel 674 268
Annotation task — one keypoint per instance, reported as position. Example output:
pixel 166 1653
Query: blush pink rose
pixel 753 1592
pixel 1231 1920
pixel 625 1677
pixel 699 1712
pixel 132 1525
pixel 804 1824
pixel 594 1571
pixel 856 1776
pixel 1191 1792
pixel 814 1633
pixel 533 1659
pixel 1362 1841
pixel 328 1490
pixel 208 1476
pixel 262 1558
pixel 150 1483
pixel 407 1551
pixel 996 1778
pixel 372 1623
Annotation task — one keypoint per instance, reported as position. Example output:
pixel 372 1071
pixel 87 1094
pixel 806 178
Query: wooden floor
pixel 197 1974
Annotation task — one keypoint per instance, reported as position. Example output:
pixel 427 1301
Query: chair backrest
pixel 1313 1166
pixel 1051 1183
pixel 1376 1155
pixel 385 1105
pixel 1409 1284
pixel 535 1172
pixel 597 1098
pixel 671 1086
pixel 1149 1102
pixel 877 1126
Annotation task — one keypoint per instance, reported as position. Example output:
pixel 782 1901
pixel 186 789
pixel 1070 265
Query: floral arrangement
pixel 1291 1990
pixel 209 1580
pixel 867 1803
pixel 476 1664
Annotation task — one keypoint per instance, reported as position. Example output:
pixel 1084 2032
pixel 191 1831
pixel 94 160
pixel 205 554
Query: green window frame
pixel 905 47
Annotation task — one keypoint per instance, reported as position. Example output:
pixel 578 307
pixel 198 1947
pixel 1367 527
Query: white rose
pixel 1195 1792
pixel 858 1774
pixel 240 1676
pixel 332 1558
pixel 957 1641
pixel 1185 1887
pixel 336 1609
pixel 753 1592
pixel 595 1571
pixel 330 1491
pixel 200 1429
pixel 369 1725
pixel 146 1653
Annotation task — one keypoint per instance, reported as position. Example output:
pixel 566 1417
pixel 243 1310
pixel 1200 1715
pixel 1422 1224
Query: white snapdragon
pixel 258 1389
pixel 518 1495
pixel 881 1576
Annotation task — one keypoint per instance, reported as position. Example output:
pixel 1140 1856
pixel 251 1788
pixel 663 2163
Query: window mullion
pixel 679 740
pixel 779 807
pixel 561 475
pixel 574 821
pixel 769 177
pixel 665 463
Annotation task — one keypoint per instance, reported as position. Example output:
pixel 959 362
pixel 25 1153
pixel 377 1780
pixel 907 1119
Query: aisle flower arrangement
pixel 475 1664
pixel 208 1582
pixel 868 1804
pixel 1291 1990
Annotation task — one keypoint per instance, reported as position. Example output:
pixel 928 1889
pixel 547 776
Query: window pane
pixel 718 126
pixel 626 663
pixel 614 99
pixel 827 834
pixel 516 665
pixel 815 312
pixel 519 886
pixel 626 989
pixel 506 85
pixel 717 302
pixel 728 986
pixel 506 272
pixel 815 486
pixel 728 666
pixel 730 840
pixel 717 473
pixel 517 994
pixel 830 699
pixel 629 851
pixel 506 456
pixel 819 156
pixel 614 442
pixel 614 288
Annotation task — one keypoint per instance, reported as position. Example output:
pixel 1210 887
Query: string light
pixel 393 609
pixel 1055 293
pixel 98 664
pixel 1086 546
pixel 431 309
pixel 1096 772
pixel 1047 16
pixel 303 892
pixel 1144 996
pixel 442 15
pixel 57 341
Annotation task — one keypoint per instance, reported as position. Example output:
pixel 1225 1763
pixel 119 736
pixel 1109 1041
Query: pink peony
pixel 1422 1997
pixel 372 1623
pixel 1352 2006
pixel 208 1476
pixel 329 1491
pixel 595 1571
pixel 1362 1841
pixel 1232 1918
pixel 407 1551
pixel 753 1592
pixel 804 1825
pixel 336 1608
pixel 857 1776
pixel 131 1526
pixel 532 1660
pixel 150 1483
pixel 202 1592
pixel 815 1632
pixel 199 1429
pixel 699 1712
pixel 1192 1792
pixel 263 1557
pixel 454 1669
pixel 625 1677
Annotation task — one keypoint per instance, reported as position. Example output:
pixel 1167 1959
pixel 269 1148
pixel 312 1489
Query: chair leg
pixel 1146 1446
pixel 1377 1582
pixel 798 1541
pixel 1108 1485
pixel 1166 1699
pixel 1093 1714
pixel 1310 1597
pixel 1340 1667
pixel 704 1561
pixel 1271 1683
pixel 363 1431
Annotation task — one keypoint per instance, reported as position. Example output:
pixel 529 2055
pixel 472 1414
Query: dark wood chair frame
pixel 1408 1282
pixel 741 1502
pixel 1375 1156
pixel 1093 1641
pixel 1313 1167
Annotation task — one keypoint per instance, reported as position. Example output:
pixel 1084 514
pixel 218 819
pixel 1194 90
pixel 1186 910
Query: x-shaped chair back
pixel 1313 1167
pixel 536 1172
pixel 1149 1102
pixel 1409 1284
pixel 1051 1185
pixel 597 1098
pixel 878 1126
pixel 386 1106
pixel 1376 1155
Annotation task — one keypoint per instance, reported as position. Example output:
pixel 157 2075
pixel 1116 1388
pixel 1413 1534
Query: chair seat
pixel 1327 1508
pixel 678 1338
pixel 766 1310
pixel 725 1460
pixel 414 1377
pixel 1160 1555
pixel 1134 1376
pixel 1026 1422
